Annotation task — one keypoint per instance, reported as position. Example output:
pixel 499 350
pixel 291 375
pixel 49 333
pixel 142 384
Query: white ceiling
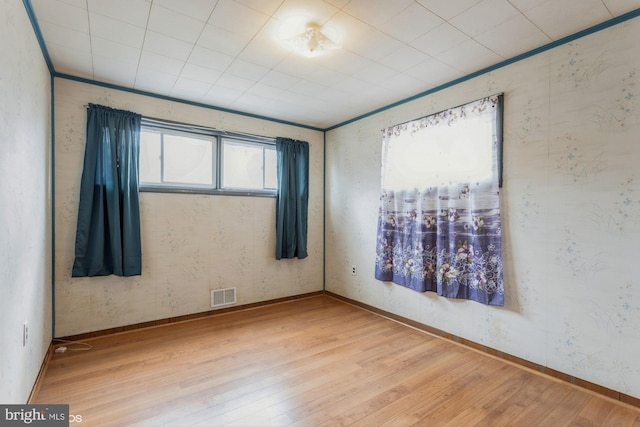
pixel 225 53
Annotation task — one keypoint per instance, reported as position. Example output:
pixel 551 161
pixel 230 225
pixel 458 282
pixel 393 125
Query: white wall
pixel 571 211
pixel 191 244
pixel 25 196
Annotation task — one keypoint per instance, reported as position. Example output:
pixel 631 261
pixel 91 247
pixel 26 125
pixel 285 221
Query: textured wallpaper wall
pixel 25 209
pixel 571 211
pixel 191 244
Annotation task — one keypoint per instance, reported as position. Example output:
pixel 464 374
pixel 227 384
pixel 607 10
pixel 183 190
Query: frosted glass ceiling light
pixel 310 42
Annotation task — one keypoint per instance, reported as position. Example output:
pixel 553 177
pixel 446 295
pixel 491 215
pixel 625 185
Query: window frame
pixel 217 138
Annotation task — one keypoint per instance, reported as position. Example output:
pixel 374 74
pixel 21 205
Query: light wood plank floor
pixel 310 362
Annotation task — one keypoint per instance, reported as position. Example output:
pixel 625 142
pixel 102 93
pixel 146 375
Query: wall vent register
pixel 223 297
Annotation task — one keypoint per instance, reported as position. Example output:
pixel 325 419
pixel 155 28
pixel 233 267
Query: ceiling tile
pixel 349 28
pixel 484 16
pixel 369 102
pixel 307 88
pixel 280 80
pixel 71 61
pixel 374 45
pixel 299 66
pixel 325 76
pixel 470 56
pixel 265 91
pixel 376 73
pixel 253 104
pixel 221 40
pixel 152 80
pixel 235 82
pixel 524 5
pixel 282 110
pixel 167 46
pixel 201 74
pixel 619 7
pixel 433 72
pixel 324 112
pixel 117 31
pixel 175 25
pixel 190 89
pixel 404 85
pixel 352 85
pixel 61 14
pixel 221 96
pixel 110 49
pixel 82 4
pixel 134 12
pixel 197 9
pixel 441 39
pixel 237 19
pixel 268 7
pixel 337 3
pixel 556 20
pixel 404 58
pixel 110 70
pixel 411 23
pixel 247 70
pixel 337 97
pixel 344 62
pixel 295 98
pixel 447 9
pixel 376 12
pixel 64 36
pixel 310 11
pixel 264 49
pixel 156 61
pixel 210 59
pixel 513 37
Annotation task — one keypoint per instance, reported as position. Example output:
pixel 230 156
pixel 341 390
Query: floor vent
pixel 221 297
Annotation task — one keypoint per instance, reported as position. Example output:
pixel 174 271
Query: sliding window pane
pixel 270 169
pixel 188 160
pixel 242 165
pixel 150 157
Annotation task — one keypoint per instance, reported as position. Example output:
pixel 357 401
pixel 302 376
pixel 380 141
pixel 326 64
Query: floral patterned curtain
pixel 439 217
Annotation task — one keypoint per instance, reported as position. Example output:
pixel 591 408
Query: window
pixel 182 158
pixel 439 226
pixel 438 154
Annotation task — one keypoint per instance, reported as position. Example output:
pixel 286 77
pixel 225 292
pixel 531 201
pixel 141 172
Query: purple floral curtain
pixel 439 218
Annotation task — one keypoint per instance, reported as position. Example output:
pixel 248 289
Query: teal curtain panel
pixel 108 229
pixel 292 198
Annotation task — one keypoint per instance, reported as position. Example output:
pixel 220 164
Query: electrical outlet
pixel 354 270
pixel 25 334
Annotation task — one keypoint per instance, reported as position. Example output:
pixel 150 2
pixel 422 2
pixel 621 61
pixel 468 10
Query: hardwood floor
pixel 310 362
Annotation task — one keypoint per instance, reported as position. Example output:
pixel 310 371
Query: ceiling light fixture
pixel 311 42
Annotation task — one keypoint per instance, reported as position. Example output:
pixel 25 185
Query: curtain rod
pixel 160 122
pixel 154 120
pixel 442 111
